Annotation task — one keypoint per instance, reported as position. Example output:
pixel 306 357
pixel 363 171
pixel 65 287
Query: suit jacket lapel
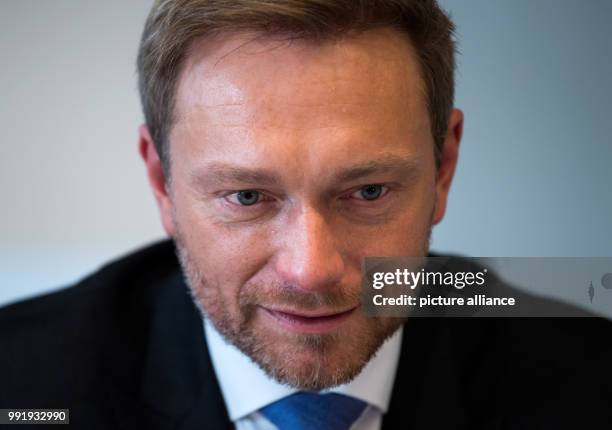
pixel 178 387
pixel 427 392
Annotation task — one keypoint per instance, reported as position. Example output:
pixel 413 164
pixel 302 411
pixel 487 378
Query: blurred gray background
pixel 535 174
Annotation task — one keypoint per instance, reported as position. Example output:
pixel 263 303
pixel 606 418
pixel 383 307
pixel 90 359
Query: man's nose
pixel 310 258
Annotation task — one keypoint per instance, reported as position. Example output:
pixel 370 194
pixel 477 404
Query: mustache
pixel 340 297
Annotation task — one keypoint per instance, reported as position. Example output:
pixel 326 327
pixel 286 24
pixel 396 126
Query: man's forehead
pixel 376 68
pixel 216 51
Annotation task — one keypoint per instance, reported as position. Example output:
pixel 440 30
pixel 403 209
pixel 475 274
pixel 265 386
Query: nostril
pixel 310 273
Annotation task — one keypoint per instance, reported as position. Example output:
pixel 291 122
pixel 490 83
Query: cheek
pixel 407 233
pixel 228 256
pixel 408 237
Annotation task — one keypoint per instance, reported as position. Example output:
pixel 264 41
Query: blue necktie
pixel 311 411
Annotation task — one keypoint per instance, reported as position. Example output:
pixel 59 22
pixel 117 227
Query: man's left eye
pixel 245 197
pixel 370 192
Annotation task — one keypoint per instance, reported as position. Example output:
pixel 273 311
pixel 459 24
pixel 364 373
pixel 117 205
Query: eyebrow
pixel 222 172
pixel 381 165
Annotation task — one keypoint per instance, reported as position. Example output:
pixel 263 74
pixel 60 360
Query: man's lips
pixel 309 321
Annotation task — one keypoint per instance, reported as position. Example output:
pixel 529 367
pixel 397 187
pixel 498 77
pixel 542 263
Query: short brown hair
pixel 173 25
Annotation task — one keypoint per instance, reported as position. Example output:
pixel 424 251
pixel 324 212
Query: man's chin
pixel 314 361
pixel 310 362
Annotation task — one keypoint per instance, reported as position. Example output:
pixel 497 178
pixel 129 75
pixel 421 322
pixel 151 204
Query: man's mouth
pixel 316 322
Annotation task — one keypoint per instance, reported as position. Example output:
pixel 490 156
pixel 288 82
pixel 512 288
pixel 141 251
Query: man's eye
pixel 370 192
pixel 245 197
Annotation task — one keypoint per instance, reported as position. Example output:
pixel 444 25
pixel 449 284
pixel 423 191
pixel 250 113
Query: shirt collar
pixel 246 388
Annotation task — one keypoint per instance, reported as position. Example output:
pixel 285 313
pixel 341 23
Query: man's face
pixel 292 161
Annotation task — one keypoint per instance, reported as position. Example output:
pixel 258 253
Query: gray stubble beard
pixel 319 373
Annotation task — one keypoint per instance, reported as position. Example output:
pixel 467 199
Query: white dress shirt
pixel 246 388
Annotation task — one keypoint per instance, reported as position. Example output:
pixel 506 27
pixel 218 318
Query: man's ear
pixel 448 163
pixel 157 179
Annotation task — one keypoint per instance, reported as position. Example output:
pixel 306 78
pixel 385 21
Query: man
pixel 284 142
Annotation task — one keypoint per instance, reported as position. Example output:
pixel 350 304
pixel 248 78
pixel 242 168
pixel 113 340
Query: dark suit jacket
pixel 124 349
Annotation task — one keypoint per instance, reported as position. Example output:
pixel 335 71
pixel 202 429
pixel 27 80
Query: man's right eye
pixel 244 197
